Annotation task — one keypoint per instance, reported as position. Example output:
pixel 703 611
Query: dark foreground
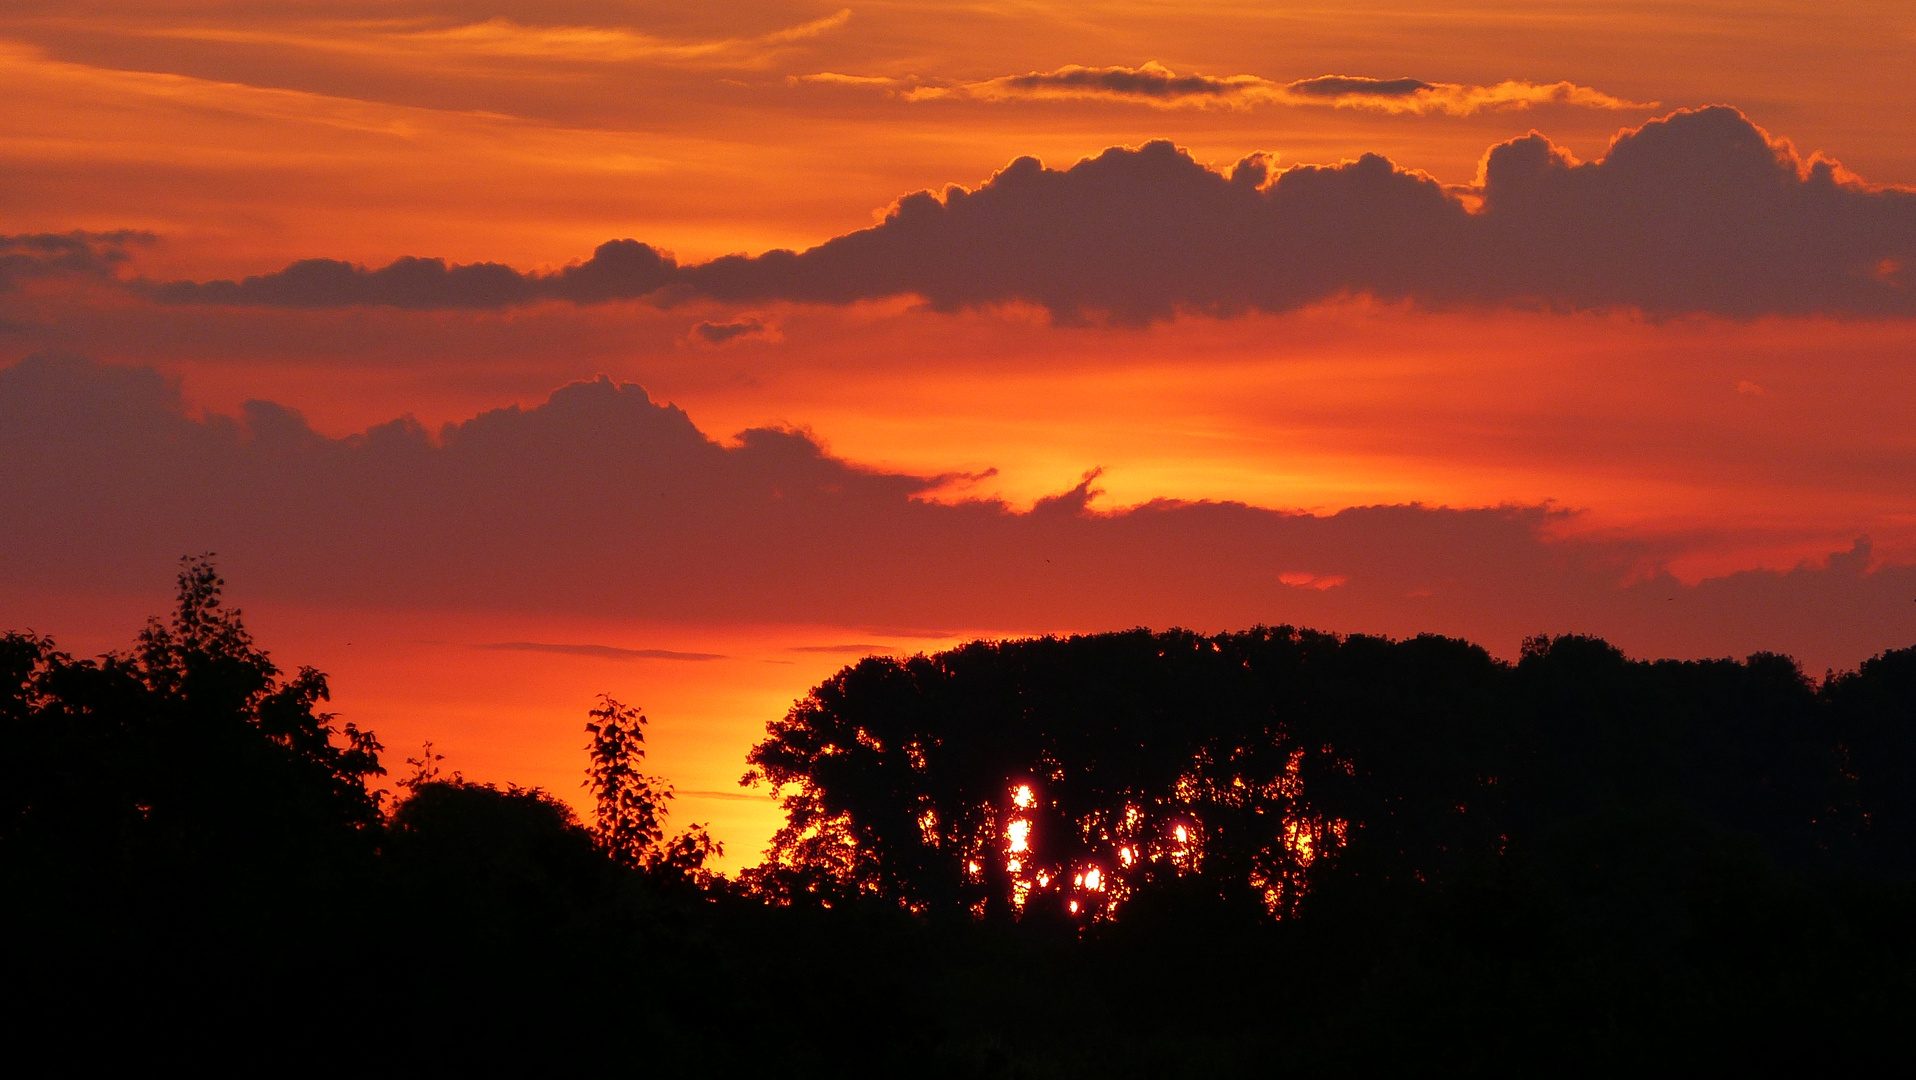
pixel 1576 863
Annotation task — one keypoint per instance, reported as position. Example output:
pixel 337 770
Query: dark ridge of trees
pixel 1273 764
pixel 1397 855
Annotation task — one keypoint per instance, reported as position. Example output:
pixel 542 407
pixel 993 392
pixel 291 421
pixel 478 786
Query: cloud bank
pixel 603 502
pixel 1699 212
pixel 1156 85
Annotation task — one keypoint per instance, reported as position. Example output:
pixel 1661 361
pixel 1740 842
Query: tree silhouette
pixel 629 805
pixel 1072 776
pixel 192 746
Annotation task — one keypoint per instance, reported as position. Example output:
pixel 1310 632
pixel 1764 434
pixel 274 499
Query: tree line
pixel 1129 854
pixel 1063 776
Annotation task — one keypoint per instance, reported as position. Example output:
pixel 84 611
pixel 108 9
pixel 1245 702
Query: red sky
pixel 1650 374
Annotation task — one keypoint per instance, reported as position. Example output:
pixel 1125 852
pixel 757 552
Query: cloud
pixel 1157 85
pixel 603 652
pixel 425 39
pixel 1699 212
pixel 724 333
pixel 72 254
pixel 602 502
pixel 833 78
pixel 604 44
pixel 617 270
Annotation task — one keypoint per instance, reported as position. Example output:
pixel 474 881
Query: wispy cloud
pixel 497 38
pixel 716 334
pixel 727 796
pixel 603 652
pixel 1156 85
pixel 503 37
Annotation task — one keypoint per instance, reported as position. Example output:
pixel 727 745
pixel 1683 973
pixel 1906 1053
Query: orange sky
pixel 246 137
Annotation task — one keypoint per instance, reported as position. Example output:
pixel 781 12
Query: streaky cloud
pixel 603 652
pixel 1154 84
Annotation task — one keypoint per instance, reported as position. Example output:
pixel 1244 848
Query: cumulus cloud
pixel 1155 84
pixel 603 502
pixel 1699 212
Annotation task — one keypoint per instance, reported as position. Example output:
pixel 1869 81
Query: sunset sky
pixel 772 334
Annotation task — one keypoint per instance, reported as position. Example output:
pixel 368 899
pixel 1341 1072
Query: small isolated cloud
pixel 727 796
pixel 603 652
pixel 725 333
pixel 1155 84
pixel 1298 579
pixel 854 647
pixel 833 78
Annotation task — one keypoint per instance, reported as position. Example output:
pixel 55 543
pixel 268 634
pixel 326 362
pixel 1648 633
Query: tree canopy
pixel 1070 776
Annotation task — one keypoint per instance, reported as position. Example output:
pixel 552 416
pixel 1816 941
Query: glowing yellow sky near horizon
pixel 517 715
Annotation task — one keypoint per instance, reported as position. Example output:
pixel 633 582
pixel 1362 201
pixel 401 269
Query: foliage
pixel 630 805
pixel 189 751
pixel 1071 777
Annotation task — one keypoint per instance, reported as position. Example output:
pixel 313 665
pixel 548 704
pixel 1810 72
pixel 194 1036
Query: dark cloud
pixel 71 254
pixel 603 652
pixel 617 270
pixel 1700 212
pixel 721 333
pixel 1157 85
pixel 602 502
pixel 1331 86
pixel 1150 80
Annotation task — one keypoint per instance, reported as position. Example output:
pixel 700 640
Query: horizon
pixel 510 354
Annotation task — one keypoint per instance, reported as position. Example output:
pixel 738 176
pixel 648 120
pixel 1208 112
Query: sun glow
pixel 1019 833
